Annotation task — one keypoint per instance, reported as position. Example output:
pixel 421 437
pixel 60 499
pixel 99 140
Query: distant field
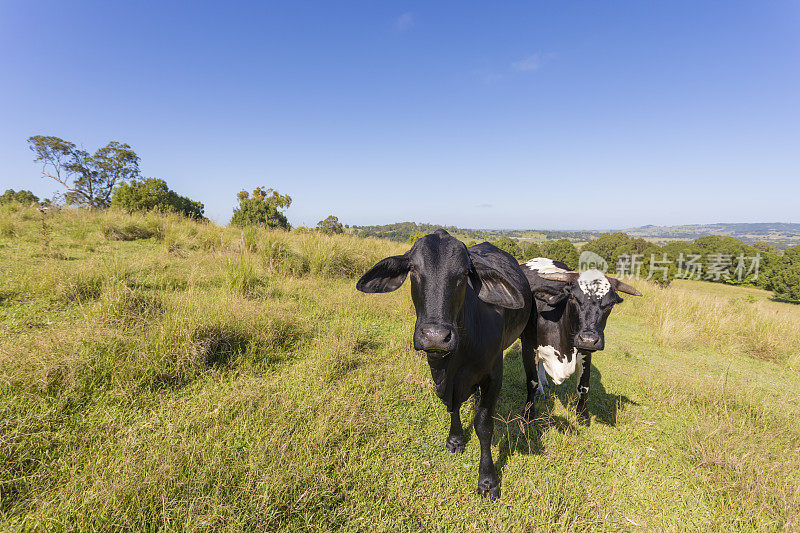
pixel 158 373
pixel 780 235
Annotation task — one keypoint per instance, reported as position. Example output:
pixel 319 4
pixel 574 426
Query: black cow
pixel 471 304
pixel 566 326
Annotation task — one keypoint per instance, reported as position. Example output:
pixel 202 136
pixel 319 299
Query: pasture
pixel 158 373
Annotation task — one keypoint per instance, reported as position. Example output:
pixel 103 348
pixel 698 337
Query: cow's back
pixel 514 320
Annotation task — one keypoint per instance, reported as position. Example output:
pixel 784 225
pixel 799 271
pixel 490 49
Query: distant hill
pixel 402 231
pixel 779 234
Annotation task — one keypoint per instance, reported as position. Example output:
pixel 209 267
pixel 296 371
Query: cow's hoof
pixel 489 488
pixel 455 444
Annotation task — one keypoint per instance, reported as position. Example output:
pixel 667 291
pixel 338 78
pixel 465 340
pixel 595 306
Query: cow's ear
pixel 386 276
pixel 620 286
pixel 493 288
pixel 552 295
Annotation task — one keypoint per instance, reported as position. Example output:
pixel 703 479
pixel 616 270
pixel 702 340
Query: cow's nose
pixel 589 341
pixel 435 338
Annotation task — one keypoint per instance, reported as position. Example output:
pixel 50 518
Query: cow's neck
pixel 451 373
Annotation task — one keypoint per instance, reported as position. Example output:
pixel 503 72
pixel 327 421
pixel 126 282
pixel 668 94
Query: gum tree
pixel 89 179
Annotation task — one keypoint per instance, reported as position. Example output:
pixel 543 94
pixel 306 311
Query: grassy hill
pixel 161 373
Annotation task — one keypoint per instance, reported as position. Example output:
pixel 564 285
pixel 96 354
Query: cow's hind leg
pixel 455 440
pixel 584 373
pixel 531 375
pixel 488 481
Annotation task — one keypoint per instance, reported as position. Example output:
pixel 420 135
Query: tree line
pixel 714 258
pixel 110 177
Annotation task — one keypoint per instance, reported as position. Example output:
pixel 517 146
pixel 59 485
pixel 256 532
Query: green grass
pixel 189 377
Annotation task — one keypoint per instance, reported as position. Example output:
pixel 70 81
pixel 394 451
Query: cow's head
pixel 443 273
pixel 591 295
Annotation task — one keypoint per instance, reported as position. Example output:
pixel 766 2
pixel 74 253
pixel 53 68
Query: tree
pixel 531 251
pixel 415 237
pixel 89 179
pixel 262 208
pixel 330 226
pixel 22 196
pixel 153 193
pixel 561 250
pixel 509 245
pixel 785 276
pixel 606 245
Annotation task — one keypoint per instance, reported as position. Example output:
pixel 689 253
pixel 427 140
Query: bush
pixel 261 209
pixel 418 235
pixel 330 226
pixel 22 196
pixel 785 276
pixel 153 194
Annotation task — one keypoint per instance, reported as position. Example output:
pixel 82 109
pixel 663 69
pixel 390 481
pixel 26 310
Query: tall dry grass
pixel 681 318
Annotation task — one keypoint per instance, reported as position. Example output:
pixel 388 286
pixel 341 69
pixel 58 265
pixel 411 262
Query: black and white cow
pixel 471 304
pixel 566 326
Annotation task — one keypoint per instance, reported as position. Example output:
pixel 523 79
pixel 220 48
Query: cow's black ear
pixel 493 288
pixel 552 295
pixel 386 276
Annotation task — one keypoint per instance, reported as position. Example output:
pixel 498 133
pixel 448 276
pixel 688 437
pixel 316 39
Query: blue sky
pixel 493 115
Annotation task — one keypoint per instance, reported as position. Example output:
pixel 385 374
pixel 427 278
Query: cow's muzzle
pixel 435 338
pixel 589 340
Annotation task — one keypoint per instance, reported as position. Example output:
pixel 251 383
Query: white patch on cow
pixel 557 370
pixel 543 265
pixel 594 283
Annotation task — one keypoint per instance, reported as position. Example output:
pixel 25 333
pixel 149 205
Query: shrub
pixel 330 226
pixel 153 194
pixel 22 196
pixel 785 275
pixel 261 209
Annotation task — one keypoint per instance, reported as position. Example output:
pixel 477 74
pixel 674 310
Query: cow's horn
pixel 622 286
pixel 565 276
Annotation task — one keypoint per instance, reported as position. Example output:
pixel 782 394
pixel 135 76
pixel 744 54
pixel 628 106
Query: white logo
pixel 590 260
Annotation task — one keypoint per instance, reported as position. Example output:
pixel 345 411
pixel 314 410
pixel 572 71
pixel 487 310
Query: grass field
pixel 157 373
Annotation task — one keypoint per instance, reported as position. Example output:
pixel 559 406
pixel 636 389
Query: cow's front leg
pixel 584 373
pixel 488 482
pixel 455 439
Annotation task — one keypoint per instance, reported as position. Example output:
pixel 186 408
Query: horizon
pixel 598 230
pixel 484 117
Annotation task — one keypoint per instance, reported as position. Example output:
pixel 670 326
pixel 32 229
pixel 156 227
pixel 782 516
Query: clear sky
pixel 488 115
